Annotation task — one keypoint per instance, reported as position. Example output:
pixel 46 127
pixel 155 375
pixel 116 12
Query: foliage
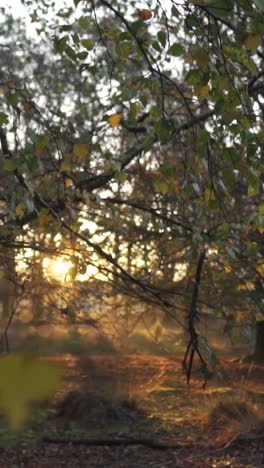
pixel 145 154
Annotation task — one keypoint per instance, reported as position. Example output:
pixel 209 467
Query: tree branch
pixel 193 345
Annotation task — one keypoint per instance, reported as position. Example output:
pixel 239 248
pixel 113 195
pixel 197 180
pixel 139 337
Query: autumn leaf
pixel 24 379
pixel 68 182
pixel 115 119
pixel 40 144
pixel 145 14
pixel 252 41
pixel 66 166
pixel 44 219
pixel 11 85
pixel 21 208
pixel 80 151
pixel 27 105
pixel 202 91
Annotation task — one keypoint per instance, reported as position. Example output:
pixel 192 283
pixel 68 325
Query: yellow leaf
pixel 201 56
pixel 20 209
pixel 260 270
pixel 78 193
pixel 252 41
pixel 44 219
pixel 115 119
pixel 68 182
pixel 24 379
pixel 80 150
pixel 222 83
pixel 144 14
pixel 202 91
pixel 11 85
pixel 66 166
pixel 188 59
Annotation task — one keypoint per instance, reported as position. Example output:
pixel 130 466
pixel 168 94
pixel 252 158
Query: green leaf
pixel 21 209
pixel 156 46
pixel 174 11
pixel 88 44
pixel 163 130
pixel 259 220
pixel 162 38
pixel 10 165
pixel 71 53
pixel 229 177
pixel 24 379
pixel 192 21
pixel 162 186
pixel 202 92
pixel 65 27
pixel 13 99
pixel 253 185
pixel 261 209
pixel 201 56
pixel 82 55
pixel 72 272
pixel 239 56
pixel 176 50
pixel 124 36
pixel 3 118
pixel 84 22
pixel 123 49
pixel 61 44
pixel 193 77
pixel 40 144
pixel 148 142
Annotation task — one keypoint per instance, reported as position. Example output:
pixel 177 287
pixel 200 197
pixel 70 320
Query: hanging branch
pixel 193 344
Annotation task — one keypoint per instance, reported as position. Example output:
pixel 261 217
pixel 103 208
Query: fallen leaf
pixel 115 119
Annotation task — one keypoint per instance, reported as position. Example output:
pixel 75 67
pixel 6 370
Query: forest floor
pixel 136 411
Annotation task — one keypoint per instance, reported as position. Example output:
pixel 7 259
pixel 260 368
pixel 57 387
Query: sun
pixel 57 268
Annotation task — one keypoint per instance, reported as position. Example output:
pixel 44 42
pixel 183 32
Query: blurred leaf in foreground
pixel 24 379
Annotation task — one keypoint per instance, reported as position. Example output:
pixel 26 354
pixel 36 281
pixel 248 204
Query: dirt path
pixel 175 415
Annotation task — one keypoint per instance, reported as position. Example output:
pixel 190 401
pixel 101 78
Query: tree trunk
pixel 259 350
pixel 7 281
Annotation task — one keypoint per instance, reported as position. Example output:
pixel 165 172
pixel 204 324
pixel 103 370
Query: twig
pixel 212 452
pixel 150 443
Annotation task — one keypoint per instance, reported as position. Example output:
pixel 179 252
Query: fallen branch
pixel 150 443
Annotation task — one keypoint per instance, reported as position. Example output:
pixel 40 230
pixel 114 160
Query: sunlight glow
pixel 57 269
pixel 180 271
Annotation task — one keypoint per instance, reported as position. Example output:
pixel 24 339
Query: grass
pixel 157 385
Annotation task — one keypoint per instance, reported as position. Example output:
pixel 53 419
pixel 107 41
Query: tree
pixel 150 138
